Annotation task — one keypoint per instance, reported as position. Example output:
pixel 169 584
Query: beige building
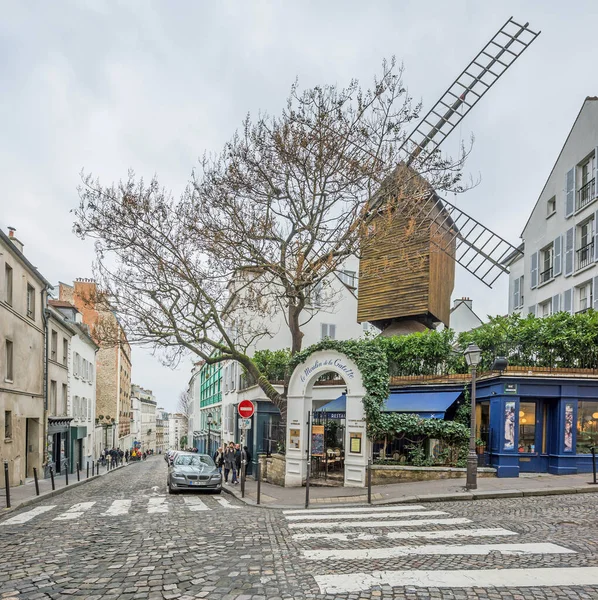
pixel 146 431
pixel 113 361
pixel 177 425
pixel 22 359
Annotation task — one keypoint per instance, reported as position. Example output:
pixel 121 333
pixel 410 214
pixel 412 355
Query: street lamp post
pixel 473 356
pixel 209 421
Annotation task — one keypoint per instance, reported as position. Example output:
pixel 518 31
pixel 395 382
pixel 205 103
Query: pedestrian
pixel 219 459
pixel 237 471
pixel 229 463
pixel 127 456
pixel 247 458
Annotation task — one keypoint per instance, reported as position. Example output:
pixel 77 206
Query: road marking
pixel 118 507
pixel 439 549
pixel 384 515
pixel 321 511
pixel 224 502
pixel 501 578
pixel 156 505
pixel 407 535
pixel 194 504
pixel 381 524
pixel 27 516
pixel 74 512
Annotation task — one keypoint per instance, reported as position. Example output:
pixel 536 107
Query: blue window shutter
pixel 532 309
pixel 595 293
pixel 570 192
pixel 557 259
pixel 568 301
pixel 556 303
pixel 534 273
pixel 569 253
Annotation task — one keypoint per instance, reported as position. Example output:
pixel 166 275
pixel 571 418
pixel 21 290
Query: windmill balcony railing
pixel 586 193
pixel 546 275
pixel 585 255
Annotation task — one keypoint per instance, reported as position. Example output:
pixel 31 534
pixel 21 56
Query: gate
pixel 328 462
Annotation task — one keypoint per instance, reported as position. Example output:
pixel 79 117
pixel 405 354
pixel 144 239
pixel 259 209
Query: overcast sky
pixel 107 86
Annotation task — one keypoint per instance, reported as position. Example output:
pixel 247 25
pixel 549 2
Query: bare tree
pixel 276 213
pixel 184 407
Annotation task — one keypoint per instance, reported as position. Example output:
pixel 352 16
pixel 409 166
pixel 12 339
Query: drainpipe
pixel 43 295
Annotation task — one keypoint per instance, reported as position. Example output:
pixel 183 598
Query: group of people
pixel 116 456
pixel 230 458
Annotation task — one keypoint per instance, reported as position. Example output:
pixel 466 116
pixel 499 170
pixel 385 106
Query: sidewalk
pixel 23 495
pixel 273 496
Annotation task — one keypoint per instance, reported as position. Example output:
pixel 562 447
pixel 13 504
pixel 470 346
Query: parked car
pixel 191 471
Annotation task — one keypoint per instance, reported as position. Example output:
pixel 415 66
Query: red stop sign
pixel 246 409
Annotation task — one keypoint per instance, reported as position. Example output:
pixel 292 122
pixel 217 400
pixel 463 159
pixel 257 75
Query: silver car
pixel 191 471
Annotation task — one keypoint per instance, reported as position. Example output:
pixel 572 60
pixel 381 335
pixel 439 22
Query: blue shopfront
pixel 537 424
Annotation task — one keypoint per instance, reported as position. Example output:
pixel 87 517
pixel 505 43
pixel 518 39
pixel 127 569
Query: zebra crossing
pixel 117 508
pixel 402 532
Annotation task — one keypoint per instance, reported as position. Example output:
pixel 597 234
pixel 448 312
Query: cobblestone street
pixel 124 537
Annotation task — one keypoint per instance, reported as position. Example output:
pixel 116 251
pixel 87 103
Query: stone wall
pixel 385 474
pixel 273 468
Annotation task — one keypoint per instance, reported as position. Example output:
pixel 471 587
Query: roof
pixel 463 301
pixel 588 99
pixel 517 254
pixel 58 316
pixel 61 304
pixel 23 259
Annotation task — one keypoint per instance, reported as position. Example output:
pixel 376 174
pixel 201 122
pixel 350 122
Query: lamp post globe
pixel 473 356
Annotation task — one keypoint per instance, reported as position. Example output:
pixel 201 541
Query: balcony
pixel 585 194
pixel 546 275
pixel 585 255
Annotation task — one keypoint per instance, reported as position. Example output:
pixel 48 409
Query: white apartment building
pixel 147 408
pixel 177 429
pixel 558 270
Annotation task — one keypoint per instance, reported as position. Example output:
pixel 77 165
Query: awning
pixel 335 409
pixel 425 404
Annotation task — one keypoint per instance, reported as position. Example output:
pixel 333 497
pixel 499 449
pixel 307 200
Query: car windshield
pixel 194 461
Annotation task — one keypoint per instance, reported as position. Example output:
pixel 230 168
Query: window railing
pixel 546 275
pixel 585 255
pixel 586 193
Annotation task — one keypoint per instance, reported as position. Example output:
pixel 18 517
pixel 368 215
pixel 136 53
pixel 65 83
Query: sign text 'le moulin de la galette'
pixel 332 362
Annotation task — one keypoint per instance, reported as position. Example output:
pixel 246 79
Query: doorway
pixel 328 449
pixel 533 440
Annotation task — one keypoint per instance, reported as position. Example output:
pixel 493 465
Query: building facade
pixel 177 431
pixel 22 361
pixel 147 414
pixel 113 360
pixel 558 271
pixel 161 430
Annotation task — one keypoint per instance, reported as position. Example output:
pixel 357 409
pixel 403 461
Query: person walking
pixel 219 459
pixel 229 463
pixel 237 470
pixel 247 459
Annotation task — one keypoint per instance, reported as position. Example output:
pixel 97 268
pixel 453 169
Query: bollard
pixel 259 480
pixel 107 466
pixel 307 484
pixel 7 485
pixel 78 475
pixel 87 474
pixel 36 481
pixel 594 464
pixel 369 480
pixel 52 478
pixel 243 474
pixel 66 474
pixel 93 466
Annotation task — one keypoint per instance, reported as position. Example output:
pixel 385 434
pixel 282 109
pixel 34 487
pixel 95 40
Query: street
pixel 124 537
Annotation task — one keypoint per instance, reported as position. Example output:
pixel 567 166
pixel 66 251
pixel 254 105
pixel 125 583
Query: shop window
pixel 483 425
pixel 587 427
pixel 527 427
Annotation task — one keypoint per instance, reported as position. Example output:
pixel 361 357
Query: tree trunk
pixel 296 333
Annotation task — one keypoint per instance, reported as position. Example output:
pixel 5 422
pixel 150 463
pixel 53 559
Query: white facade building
pixel 177 429
pixel 463 318
pixel 558 269
pixel 193 389
pixel 144 417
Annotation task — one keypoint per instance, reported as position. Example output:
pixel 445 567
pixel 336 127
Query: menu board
pixel 355 443
pixel 317 440
pixel 295 437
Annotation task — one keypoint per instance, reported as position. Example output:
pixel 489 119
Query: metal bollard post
pixel 36 481
pixel 594 464
pixel 52 478
pixel 259 481
pixel 307 484
pixel 243 468
pixel 78 474
pixel 87 474
pixel 7 484
pixel 66 474
pixel 369 480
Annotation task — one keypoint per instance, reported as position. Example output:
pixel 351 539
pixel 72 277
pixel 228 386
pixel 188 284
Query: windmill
pixel 405 283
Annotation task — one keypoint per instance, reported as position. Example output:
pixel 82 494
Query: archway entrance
pixel 333 442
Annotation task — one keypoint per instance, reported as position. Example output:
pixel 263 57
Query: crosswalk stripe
pixel 439 549
pixel 157 506
pixel 27 516
pixel 500 578
pixel 362 524
pixel 118 507
pixel 321 511
pixel 194 504
pixel 224 502
pixel 74 512
pixel 415 513
pixel 407 535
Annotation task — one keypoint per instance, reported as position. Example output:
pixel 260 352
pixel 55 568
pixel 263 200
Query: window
pixel 7 424
pixel 587 427
pixel 65 351
pixel 89 409
pixel 349 278
pixel 76 358
pixel 53 398
pixel 8 283
pixel 585 297
pixel 551 206
pixel 64 399
pixel 328 331
pixel 315 297
pixel 545 308
pixel 30 301
pixel 547 256
pixel 90 373
pixel 9 361
pixel 518 297
pixel 54 346
pixel 585 252
pixel 527 427
pixel 586 191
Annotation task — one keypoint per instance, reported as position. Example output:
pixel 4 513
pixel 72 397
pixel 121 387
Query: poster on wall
pixel 509 441
pixel 355 444
pixel 317 440
pixel 295 436
pixel 568 427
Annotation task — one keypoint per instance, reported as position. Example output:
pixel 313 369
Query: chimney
pixel 14 240
pixel 464 300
